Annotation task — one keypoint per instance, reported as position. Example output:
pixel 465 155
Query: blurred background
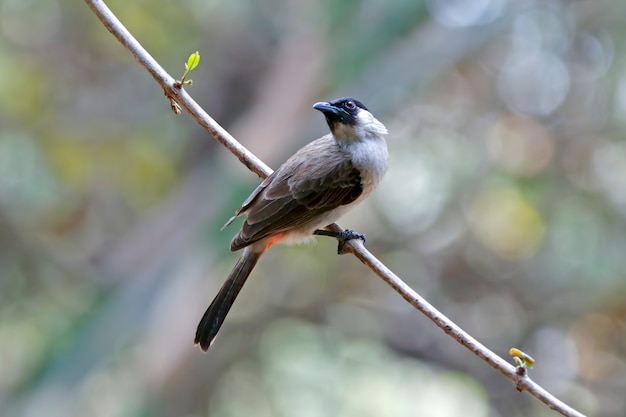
pixel 504 206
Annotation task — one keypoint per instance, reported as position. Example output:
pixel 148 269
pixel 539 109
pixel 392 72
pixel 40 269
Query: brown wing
pixel 317 179
pixel 251 198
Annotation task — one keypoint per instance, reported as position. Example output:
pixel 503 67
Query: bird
pixel 311 190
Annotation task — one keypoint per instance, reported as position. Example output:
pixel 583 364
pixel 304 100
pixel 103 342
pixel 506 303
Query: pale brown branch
pixel 174 92
pixel 180 96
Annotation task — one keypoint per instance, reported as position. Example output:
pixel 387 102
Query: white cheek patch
pixel 367 125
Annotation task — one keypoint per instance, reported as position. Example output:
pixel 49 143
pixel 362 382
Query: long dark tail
pixel 216 313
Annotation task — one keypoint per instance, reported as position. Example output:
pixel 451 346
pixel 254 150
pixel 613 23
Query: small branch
pixel 522 382
pixel 356 247
pixel 174 93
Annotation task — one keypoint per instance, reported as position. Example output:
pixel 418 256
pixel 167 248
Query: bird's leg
pixel 342 237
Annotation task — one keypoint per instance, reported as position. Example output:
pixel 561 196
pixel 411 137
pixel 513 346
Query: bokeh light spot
pixel 520 146
pixel 535 84
pixel 507 223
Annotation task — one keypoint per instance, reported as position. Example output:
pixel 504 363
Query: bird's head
pixel 349 119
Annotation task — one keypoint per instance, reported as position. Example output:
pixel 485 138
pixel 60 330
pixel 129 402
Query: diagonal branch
pixel 356 247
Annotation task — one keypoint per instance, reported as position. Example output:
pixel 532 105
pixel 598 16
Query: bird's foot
pixel 342 237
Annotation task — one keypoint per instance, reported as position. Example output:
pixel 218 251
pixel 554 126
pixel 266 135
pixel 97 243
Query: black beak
pixel 328 109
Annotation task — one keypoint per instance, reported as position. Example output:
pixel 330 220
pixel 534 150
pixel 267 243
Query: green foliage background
pixel 504 206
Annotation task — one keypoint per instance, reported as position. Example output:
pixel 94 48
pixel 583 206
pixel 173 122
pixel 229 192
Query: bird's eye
pixel 350 105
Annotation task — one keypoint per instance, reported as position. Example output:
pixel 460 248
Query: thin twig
pixel 180 96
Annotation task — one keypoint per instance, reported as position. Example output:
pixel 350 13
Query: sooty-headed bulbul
pixel 311 190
